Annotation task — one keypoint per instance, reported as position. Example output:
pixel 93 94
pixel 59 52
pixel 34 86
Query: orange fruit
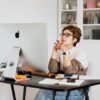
pixel 21 77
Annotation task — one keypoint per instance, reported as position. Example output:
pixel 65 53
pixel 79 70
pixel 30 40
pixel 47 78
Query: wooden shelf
pixel 70 10
pixel 63 25
pixel 91 9
pixel 90 41
pixel 91 24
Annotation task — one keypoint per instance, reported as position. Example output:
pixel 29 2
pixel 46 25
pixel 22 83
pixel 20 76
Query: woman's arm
pixel 75 67
pixel 53 66
pixel 54 63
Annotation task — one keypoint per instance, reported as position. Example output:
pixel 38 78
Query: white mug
pixel 66 6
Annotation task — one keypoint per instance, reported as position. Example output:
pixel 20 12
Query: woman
pixel 68 59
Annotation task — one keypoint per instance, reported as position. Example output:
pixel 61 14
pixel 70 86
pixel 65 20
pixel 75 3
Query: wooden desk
pixel 33 82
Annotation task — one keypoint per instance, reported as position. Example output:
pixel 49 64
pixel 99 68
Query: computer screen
pixel 30 37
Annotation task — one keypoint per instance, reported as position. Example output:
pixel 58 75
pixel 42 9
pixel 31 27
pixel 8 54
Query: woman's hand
pixel 57 45
pixel 55 48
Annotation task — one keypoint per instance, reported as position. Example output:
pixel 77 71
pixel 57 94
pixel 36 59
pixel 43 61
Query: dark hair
pixel 75 31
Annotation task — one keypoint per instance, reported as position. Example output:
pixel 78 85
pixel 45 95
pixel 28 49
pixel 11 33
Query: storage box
pixel 96 34
pixel 91 3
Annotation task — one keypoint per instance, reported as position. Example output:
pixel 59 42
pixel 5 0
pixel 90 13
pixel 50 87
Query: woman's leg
pixel 60 95
pixel 74 95
pixel 44 95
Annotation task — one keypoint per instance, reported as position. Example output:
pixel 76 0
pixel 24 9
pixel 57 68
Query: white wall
pixel 93 48
pixel 29 11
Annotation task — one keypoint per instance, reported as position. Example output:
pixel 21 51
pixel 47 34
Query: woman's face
pixel 67 38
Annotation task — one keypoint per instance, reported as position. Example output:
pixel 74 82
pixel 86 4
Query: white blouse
pixel 74 53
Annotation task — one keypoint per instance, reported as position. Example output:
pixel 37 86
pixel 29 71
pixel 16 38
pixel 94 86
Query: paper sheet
pixel 49 81
pixel 88 77
pixel 60 82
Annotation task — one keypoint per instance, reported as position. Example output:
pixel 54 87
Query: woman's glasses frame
pixel 66 35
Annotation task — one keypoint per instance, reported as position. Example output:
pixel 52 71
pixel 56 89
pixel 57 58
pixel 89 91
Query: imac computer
pixel 31 38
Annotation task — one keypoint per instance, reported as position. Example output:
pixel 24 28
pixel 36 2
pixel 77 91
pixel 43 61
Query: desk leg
pixel 86 90
pixel 13 92
pixel 67 96
pixel 24 93
pixel 54 93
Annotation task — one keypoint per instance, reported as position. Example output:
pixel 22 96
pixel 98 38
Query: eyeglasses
pixel 66 35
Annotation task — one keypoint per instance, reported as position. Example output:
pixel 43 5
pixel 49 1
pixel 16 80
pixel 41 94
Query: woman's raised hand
pixel 58 44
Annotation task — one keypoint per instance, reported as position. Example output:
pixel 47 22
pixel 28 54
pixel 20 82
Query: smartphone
pixel 72 76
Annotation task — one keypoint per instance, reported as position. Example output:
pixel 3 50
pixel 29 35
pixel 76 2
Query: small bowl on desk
pixel 59 76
